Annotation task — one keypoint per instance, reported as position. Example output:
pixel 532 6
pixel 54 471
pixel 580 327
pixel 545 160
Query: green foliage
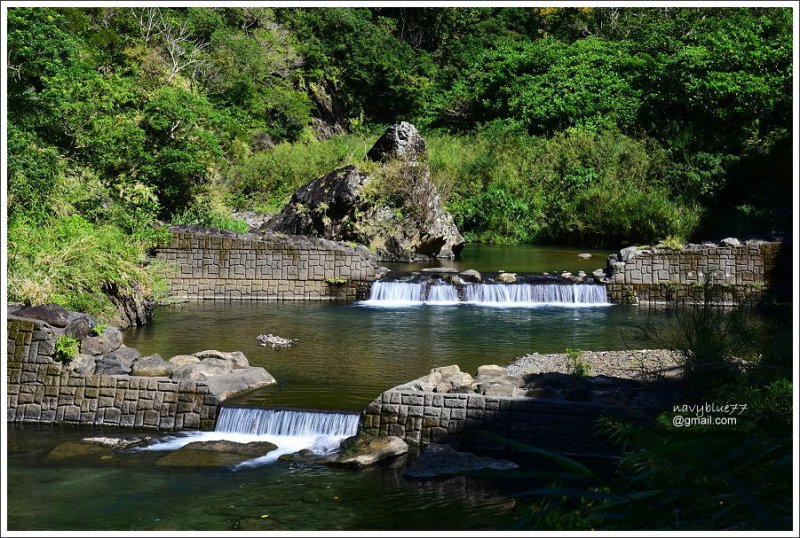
pixel 333 281
pixel 575 365
pixel 33 168
pixel 672 243
pixel 266 180
pixel 203 213
pixel 580 186
pixel 98 329
pixel 69 261
pixel 66 348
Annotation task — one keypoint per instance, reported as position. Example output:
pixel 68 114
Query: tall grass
pixel 69 261
pixel 265 181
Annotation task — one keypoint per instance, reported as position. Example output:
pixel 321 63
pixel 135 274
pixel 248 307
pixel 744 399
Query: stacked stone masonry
pixel 41 390
pixel 736 272
pixel 231 266
pixel 475 420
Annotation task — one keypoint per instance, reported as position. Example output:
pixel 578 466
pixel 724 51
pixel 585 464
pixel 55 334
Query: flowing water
pixel 346 355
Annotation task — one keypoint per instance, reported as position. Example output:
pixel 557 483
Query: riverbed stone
pixel 118 443
pixel 152 366
pixel 470 275
pixel 507 278
pixel 362 450
pixel 82 364
pixel 235 358
pixel 113 366
pixel 183 360
pixel 443 460
pixel 239 380
pixel 197 372
pixel 220 453
pixel 109 341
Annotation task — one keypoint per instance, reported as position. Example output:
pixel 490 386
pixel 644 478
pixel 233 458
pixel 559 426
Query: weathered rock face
pixel 396 211
pixel 399 140
pixel 52 314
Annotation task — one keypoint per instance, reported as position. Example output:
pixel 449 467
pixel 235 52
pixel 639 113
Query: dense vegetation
pixel 596 126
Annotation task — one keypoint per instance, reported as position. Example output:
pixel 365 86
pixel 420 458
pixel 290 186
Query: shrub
pixel 98 329
pixel 576 366
pixel 66 348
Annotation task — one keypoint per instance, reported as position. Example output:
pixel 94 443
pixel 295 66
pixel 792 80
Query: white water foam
pixel 289 430
pixel 401 294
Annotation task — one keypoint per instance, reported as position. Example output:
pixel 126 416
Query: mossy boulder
pixel 362 450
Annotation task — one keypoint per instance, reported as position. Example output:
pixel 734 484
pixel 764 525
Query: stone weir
pixel 102 382
pixel 495 410
pixel 207 263
pixel 731 270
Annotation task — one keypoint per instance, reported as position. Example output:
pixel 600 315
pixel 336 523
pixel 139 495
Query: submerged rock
pixel 442 460
pixel 118 443
pixel 93 446
pixel 308 456
pixel 215 453
pixel 275 342
pixel 362 450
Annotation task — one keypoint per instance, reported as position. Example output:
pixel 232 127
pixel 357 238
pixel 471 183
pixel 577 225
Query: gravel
pixel 642 364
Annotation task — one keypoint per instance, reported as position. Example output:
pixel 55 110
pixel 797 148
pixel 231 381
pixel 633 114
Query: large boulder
pixel 113 366
pixel 441 460
pixel 401 140
pixel 152 366
pixel 361 450
pixel 396 210
pixel 110 340
pixel 82 364
pixel 80 325
pixel 229 384
pixel 52 314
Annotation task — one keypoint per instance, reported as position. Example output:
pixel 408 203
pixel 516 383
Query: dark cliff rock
pixel 395 211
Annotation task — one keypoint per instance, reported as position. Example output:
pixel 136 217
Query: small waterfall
pixel 442 294
pixel 294 423
pixel 290 430
pixel 397 293
pixel 391 294
pixel 533 294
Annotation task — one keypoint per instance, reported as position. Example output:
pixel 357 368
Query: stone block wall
pixel 665 276
pixel 41 390
pixel 475 420
pixel 208 264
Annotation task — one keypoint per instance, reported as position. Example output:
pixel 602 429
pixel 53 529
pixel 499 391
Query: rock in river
pixel 362 450
pixel 215 453
pixel 441 460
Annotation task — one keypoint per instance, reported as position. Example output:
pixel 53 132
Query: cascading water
pixel 291 430
pixel 263 421
pixel 391 294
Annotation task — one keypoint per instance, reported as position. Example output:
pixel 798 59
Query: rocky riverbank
pixel 641 364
